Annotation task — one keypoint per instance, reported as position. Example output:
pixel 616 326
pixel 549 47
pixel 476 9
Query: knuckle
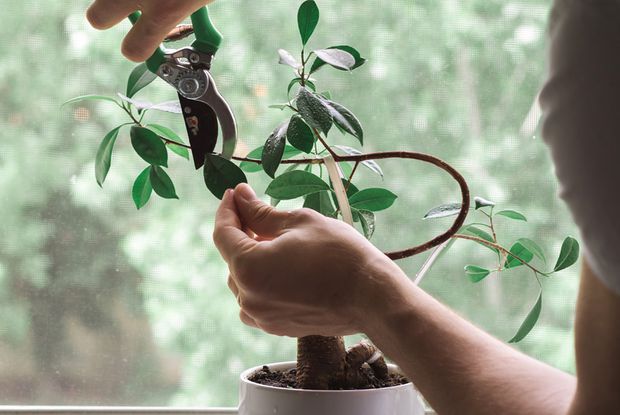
pixel 261 211
pixel 304 215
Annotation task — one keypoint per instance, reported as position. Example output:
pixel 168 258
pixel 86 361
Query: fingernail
pixel 245 192
pixel 228 193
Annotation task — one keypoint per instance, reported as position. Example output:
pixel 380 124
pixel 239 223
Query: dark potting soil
pixel 286 379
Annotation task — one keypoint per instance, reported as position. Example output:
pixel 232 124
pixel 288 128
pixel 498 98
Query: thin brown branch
pixel 358 158
pixel 346 189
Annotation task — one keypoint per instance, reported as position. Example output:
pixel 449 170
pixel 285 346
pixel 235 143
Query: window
pixel 105 305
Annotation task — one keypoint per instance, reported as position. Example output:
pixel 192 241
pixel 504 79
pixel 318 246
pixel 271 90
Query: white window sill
pixel 119 410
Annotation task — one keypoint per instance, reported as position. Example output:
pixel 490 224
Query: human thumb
pixel 258 216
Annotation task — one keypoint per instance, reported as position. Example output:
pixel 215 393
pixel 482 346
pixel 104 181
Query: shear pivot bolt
pixel 194 58
pixel 189 86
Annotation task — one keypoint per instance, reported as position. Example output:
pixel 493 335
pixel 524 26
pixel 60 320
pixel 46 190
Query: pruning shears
pixel 188 70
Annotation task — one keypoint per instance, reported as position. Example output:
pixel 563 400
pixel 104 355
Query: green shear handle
pixel 208 38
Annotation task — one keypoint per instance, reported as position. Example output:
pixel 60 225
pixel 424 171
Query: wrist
pixel 384 294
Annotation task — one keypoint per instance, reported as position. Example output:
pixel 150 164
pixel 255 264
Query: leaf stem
pixel 499 248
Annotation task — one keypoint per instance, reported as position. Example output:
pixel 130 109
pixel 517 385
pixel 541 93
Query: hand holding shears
pixel 188 71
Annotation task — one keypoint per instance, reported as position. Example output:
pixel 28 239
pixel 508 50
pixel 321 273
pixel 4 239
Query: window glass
pixel 102 304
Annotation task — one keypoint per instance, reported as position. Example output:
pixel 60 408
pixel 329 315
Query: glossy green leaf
pixel 90 98
pixel 295 184
pixel 512 214
pixel 533 247
pixel 518 250
pixel 337 58
pixel 286 58
pixel 300 135
pixel 345 119
pixel 367 220
pixel 162 184
pixel 359 61
pixel 280 107
pixel 256 154
pixel 103 160
pixel 369 164
pixel 307 19
pixel 178 150
pixel 297 81
pixel 274 149
pixel 569 254
pixel 313 111
pixel 221 174
pixel 149 146
pixel 320 202
pixel 529 322
pixel 477 232
pixel 140 77
pixel 142 189
pixel 169 134
pixel 476 273
pixel 374 200
pixel 480 202
pixel 442 211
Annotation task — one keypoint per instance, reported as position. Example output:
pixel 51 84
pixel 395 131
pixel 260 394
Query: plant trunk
pixel 323 363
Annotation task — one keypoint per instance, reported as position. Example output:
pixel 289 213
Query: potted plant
pixel 303 163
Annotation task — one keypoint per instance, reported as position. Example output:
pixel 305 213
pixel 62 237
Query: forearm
pixel 458 368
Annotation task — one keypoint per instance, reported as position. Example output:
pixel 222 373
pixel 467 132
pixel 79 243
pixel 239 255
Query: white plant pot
pixel 256 399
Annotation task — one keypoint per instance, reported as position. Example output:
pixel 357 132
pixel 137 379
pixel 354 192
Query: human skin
pixel 158 18
pixel 342 284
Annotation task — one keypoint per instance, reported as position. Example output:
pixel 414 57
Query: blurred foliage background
pixel 101 304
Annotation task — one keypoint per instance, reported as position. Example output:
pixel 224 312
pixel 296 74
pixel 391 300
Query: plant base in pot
pixel 257 399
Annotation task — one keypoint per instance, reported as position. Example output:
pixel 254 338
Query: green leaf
pixel 529 322
pixel 257 153
pixel 481 202
pixel 162 184
pixel 165 132
pixel 177 149
pixel 221 174
pixel 569 254
pixel 103 160
pixel 286 58
pixel 149 146
pixel 345 120
pixel 374 200
pixel 296 81
pixel 369 164
pixel 274 149
pixel 359 61
pixel 474 231
pixel 476 273
pixel 337 58
pixel 533 247
pixel 142 189
pixel 300 135
pixel 307 19
pixel 169 134
pixel 449 209
pixel 512 214
pixel 320 202
pixel 313 111
pixel 140 77
pixel 295 184
pixel 280 107
pixel 90 98
pixel 367 220
pixel 518 249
